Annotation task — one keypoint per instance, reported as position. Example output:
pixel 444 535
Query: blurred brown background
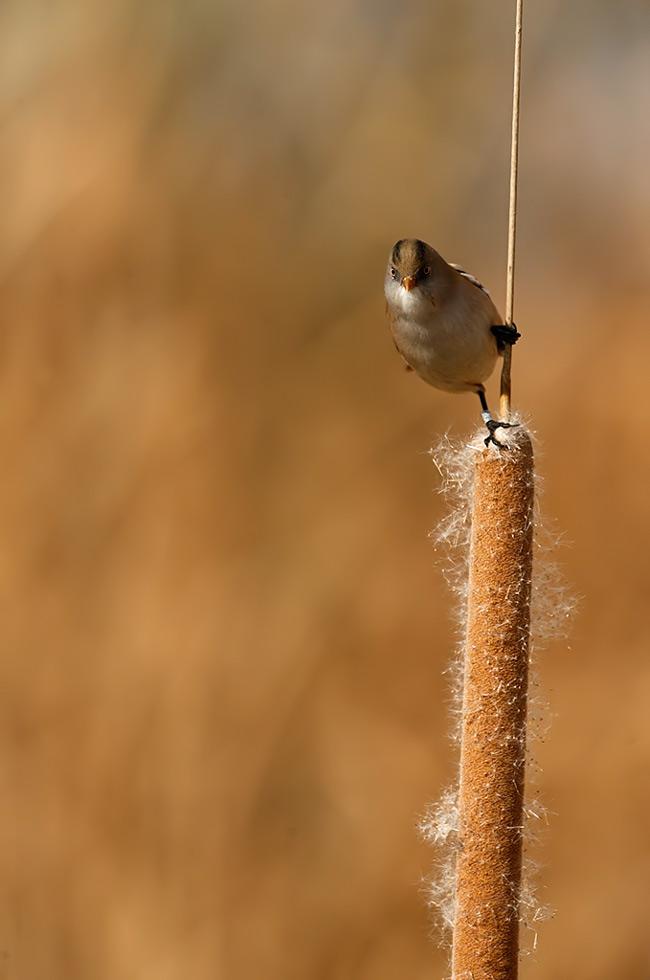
pixel 224 629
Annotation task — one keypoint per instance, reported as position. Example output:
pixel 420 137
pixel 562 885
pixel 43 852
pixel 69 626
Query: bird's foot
pixel 505 333
pixel 492 425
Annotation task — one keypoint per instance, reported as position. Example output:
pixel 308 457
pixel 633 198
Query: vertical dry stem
pixel 488 873
pixel 505 393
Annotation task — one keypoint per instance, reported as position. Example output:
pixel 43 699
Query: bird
pixel 444 323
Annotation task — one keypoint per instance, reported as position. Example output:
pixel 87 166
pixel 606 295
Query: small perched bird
pixel 444 323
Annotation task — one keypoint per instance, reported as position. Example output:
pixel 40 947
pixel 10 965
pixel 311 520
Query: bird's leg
pixel 505 333
pixel 491 424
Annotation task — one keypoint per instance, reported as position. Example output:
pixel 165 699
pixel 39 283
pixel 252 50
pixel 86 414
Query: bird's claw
pixel 492 425
pixel 505 333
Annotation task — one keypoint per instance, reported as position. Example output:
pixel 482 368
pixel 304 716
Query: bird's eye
pixel 426 272
pixel 395 274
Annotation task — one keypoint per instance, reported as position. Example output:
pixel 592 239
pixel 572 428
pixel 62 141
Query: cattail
pixel 493 722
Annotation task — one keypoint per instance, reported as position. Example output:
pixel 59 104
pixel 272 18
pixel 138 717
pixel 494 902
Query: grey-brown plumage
pixel 440 318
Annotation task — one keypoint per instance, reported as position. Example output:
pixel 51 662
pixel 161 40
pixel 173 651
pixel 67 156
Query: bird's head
pixel 412 264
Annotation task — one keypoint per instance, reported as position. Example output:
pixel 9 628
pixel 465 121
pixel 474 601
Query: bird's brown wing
pixel 479 285
pixel 389 315
pixel 470 278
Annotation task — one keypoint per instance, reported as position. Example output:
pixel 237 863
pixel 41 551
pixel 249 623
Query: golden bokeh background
pixel 224 629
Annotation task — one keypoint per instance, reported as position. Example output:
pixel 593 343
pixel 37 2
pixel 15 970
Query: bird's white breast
pixel 412 303
pixel 449 343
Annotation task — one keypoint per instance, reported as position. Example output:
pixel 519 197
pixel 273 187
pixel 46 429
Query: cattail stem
pixel 488 870
pixel 505 390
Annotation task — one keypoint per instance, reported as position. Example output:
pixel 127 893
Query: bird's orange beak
pixel 409 283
